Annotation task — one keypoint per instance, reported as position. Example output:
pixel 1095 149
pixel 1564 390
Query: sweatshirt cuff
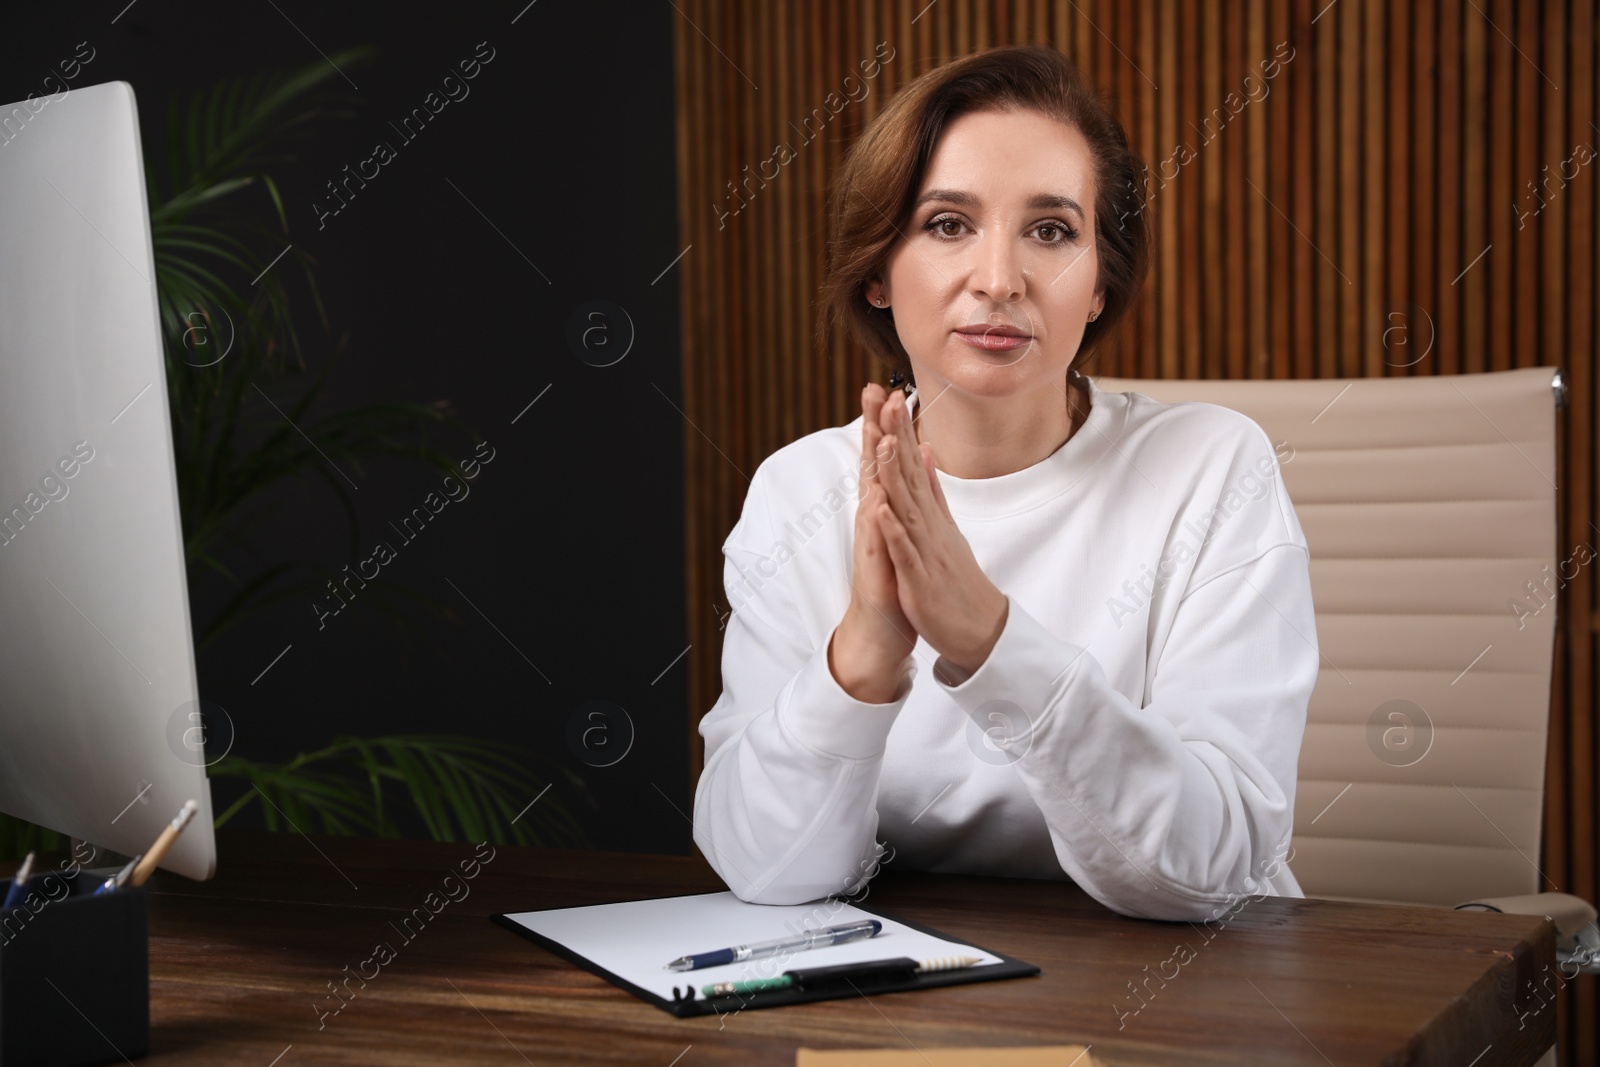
pixel 820 715
pixel 1026 668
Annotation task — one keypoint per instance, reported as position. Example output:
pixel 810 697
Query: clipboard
pixel 684 1007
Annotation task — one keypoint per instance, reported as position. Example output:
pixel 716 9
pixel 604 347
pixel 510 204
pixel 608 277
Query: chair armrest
pixel 1578 938
pixel 1569 913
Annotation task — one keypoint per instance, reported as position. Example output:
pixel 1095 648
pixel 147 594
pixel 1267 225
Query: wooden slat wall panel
pixel 1382 201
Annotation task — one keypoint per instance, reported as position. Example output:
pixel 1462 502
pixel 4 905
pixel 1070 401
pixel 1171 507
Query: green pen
pixel 754 985
pixel 870 969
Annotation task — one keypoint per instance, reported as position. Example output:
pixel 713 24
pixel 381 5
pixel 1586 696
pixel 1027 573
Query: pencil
pixel 153 856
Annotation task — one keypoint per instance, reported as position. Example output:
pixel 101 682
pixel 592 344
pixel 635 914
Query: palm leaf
pixel 218 221
pixel 231 455
pixel 459 788
pixel 306 800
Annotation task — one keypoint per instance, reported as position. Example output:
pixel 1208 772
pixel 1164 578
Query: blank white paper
pixel 636 939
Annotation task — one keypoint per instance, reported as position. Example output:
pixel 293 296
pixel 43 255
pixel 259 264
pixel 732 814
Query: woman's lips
pixel 994 342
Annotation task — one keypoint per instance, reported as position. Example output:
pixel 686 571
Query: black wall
pixel 568 550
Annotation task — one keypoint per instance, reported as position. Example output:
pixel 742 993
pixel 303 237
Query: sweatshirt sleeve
pixel 786 807
pixel 1168 810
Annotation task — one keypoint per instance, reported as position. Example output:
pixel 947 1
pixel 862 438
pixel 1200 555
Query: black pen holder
pixel 74 974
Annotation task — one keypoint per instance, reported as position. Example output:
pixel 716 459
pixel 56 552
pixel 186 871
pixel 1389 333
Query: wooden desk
pixel 238 966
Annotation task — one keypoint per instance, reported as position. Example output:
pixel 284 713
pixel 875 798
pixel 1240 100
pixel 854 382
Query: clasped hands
pixel 914 570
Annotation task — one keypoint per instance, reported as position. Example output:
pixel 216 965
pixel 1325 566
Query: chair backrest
pixel 1428 504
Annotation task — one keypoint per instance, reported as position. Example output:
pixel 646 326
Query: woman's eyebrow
pixel 1048 201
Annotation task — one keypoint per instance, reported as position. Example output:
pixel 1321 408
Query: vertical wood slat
pixel 1257 213
pixel 1375 160
pixel 1397 321
pixel 1166 262
pixel 1552 289
pixel 1345 248
pixel 1230 167
pixel 1323 58
pixel 1472 278
pixel 1502 164
pixel 1395 149
pixel 1301 98
pixel 1185 207
pixel 1531 85
pixel 1444 331
pixel 1277 250
pixel 1425 282
pixel 1145 139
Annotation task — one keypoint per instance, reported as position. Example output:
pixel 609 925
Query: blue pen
pixel 118 880
pixel 19 883
pixel 828 935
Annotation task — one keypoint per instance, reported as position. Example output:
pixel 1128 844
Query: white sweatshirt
pixel 1136 727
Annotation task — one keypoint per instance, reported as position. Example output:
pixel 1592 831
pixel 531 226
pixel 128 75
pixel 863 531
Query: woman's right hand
pixel 871 643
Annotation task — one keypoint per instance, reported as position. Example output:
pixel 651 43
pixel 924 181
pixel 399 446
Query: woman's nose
pixel 997 273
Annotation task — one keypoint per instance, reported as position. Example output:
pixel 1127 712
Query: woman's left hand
pixel 943 591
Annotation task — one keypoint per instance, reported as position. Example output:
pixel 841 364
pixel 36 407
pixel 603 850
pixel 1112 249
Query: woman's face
pixel 1001 238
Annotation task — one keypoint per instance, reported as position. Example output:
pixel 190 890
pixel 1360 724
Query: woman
pixel 1060 632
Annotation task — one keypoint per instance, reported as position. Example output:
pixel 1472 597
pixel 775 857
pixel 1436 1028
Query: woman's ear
pixel 876 296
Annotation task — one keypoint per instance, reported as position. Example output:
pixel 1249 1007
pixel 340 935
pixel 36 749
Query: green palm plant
pixel 227 338
pixel 231 343
pixel 459 787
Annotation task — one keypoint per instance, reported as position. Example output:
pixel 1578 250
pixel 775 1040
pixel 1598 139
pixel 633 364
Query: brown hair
pixel 886 165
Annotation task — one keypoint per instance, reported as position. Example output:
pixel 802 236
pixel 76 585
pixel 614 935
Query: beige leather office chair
pixel 1428 504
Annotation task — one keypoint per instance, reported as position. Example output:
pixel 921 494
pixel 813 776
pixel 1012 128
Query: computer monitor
pixel 99 727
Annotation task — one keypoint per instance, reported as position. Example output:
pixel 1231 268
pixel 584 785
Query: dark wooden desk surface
pixel 238 966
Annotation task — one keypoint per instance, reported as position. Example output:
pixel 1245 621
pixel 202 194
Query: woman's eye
pixel 1059 234
pixel 1066 232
